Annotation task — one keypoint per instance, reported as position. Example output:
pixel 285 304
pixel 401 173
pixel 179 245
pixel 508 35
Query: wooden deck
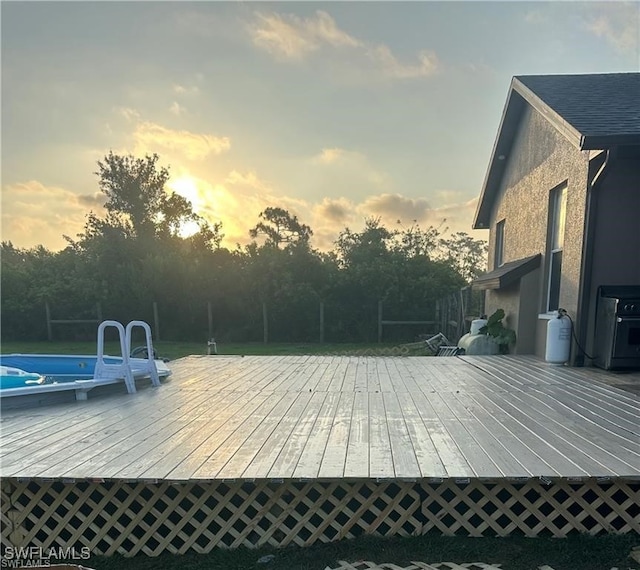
pixel 325 418
pixel 234 451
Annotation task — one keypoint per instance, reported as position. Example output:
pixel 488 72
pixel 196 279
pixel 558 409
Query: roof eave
pixel 506 131
pixel 601 142
pixel 499 279
pixel 563 127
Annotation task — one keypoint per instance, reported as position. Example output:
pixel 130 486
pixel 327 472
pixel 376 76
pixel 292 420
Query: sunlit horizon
pixel 336 112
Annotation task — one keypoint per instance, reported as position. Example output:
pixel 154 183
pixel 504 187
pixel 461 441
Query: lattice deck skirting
pixel 154 517
pixel 367 565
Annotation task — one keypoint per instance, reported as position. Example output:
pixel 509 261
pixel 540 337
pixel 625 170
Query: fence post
pixel 156 320
pixel 210 319
pixel 379 321
pixel 265 324
pixel 99 311
pixel 49 331
pixel 321 322
pixel 462 321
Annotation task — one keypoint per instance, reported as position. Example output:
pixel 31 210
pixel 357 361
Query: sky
pixel 335 111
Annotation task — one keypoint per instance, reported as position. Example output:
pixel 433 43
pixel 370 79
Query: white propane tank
pixel 477 324
pixel 558 339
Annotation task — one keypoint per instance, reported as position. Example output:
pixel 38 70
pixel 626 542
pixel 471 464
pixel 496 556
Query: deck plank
pixel 263 461
pixel 138 445
pixel 329 417
pixel 575 436
pixel 454 461
pixel 63 446
pixel 523 461
pixel 357 460
pixel 490 441
pixel 464 437
pixel 291 452
pixel 242 448
pixel 427 455
pixel 405 462
pixel 311 457
pixel 186 446
pixel 216 435
pixel 335 454
pixel 380 455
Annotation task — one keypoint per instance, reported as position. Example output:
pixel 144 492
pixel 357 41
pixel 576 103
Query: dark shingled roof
pixel 594 112
pixel 600 105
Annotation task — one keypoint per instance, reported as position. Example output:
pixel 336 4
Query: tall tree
pixel 466 254
pixel 281 228
pixel 372 243
pixel 134 188
pixel 138 205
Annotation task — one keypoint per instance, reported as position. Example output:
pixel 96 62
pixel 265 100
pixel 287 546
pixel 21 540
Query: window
pixel 558 213
pixel 498 258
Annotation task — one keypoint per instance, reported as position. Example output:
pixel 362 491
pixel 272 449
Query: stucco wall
pixel 540 160
pixel 528 319
pixel 507 299
pixel 518 314
pixel 616 253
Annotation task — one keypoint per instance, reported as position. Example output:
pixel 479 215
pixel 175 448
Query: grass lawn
pixel 575 553
pixel 173 350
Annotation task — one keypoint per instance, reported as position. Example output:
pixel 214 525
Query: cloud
pixel 616 22
pixel 150 137
pixel 249 185
pixel 177 109
pixel 289 37
pixel 340 171
pixel 35 214
pixel 329 155
pixel 393 208
pixel 336 155
pixel 396 207
pixel 93 201
pixel 130 115
pixel 335 210
pixel 448 196
pixel 457 217
pixel 427 63
pixel 186 90
pixel 249 179
pixel 330 216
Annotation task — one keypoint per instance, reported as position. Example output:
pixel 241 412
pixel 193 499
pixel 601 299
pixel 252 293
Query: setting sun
pixel 187 188
pixel 187 229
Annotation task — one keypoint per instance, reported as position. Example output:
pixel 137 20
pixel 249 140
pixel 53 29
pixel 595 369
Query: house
pixel 561 199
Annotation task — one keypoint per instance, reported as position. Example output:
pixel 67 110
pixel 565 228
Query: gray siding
pixel 540 160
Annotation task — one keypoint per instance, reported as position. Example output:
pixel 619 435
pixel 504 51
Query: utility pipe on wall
pixel 586 273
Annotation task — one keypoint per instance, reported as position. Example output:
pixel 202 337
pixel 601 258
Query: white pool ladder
pixel 149 366
pixel 124 369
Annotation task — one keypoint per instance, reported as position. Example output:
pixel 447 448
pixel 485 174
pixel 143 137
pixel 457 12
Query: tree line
pixel 134 255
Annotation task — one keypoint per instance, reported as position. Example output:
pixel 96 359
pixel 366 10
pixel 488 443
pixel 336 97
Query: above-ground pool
pixel 62 368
